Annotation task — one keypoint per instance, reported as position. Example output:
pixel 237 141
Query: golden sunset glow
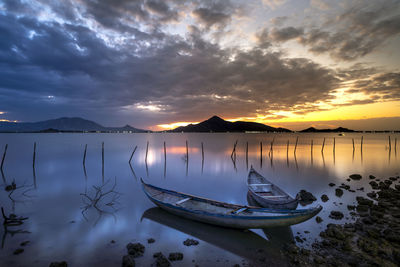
pixel 174 125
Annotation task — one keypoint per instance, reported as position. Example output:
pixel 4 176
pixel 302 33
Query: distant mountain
pixel 216 124
pixel 62 125
pixel 336 130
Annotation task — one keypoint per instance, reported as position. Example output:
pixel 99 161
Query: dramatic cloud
pixel 150 62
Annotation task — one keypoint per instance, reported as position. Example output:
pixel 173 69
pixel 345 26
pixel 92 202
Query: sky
pixel 157 64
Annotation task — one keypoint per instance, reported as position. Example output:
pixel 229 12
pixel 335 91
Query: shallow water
pixel 62 225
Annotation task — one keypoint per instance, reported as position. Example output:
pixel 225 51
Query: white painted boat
pixel 224 214
pixel 267 194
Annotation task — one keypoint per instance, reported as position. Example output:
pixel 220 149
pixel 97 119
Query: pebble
pixel 190 242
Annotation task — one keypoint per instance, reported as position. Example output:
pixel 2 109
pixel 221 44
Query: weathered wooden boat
pixel 224 214
pixel 267 194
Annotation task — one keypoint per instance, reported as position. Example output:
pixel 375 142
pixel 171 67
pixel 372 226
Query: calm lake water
pixel 62 225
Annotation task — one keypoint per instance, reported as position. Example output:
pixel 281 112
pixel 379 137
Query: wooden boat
pixel 224 214
pixel 268 195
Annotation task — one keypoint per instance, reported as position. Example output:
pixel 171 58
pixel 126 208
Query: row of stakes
pixel 233 154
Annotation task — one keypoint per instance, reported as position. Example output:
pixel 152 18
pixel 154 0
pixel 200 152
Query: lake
pixel 63 224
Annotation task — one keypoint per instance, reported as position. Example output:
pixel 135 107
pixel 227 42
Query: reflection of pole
pixel 295 146
pixel 390 144
pixel 4 156
pixel 260 153
pixel 395 145
pixel 354 148
pixel 323 145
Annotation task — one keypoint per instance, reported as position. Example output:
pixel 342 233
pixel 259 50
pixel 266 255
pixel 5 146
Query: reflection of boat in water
pixel 224 214
pixel 267 194
pixel 243 243
pixel 277 235
pixel 341 134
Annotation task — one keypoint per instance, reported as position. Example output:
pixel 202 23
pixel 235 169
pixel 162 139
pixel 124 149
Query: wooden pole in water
pixel 4 156
pixel 165 153
pixel 295 146
pixel 272 144
pixel 312 144
pixel 102 159
pixel 390 144
pixel 202 151
pixel 352 139
pixel 247 154
pixel 187 151
pixel 34 155
pixel 362 140
pixel 84 156
pixel 287 147
pixel 395 144
pixel 334 144
pixel 133 152
pixel 261 150
pixel 323 145
pixel 147 150
pixel 233 154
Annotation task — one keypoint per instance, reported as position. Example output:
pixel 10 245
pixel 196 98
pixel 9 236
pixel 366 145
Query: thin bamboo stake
pixel 312 144
pixel 362 141
pixel 390 144
pixel 334 144
pixel 202 157
pixel 247 155
pixel 102 160
pixel 295 146
pixel 395 145
pixel 202 152
pixel 133 152
pixel 352 139
pixel 261 150
pixel 147 150
pixel 84 156
pixel 165 152
pixel 4 156
pixel 323 145
pixel 233 154
pixel 272 144
pixel 187 151
pixel 287 147
pixel 34 155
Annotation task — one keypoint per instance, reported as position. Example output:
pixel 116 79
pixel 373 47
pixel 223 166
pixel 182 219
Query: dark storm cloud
pixel 286 34
pixel 358 31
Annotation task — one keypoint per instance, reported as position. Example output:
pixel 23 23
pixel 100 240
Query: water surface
pixel 63 225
